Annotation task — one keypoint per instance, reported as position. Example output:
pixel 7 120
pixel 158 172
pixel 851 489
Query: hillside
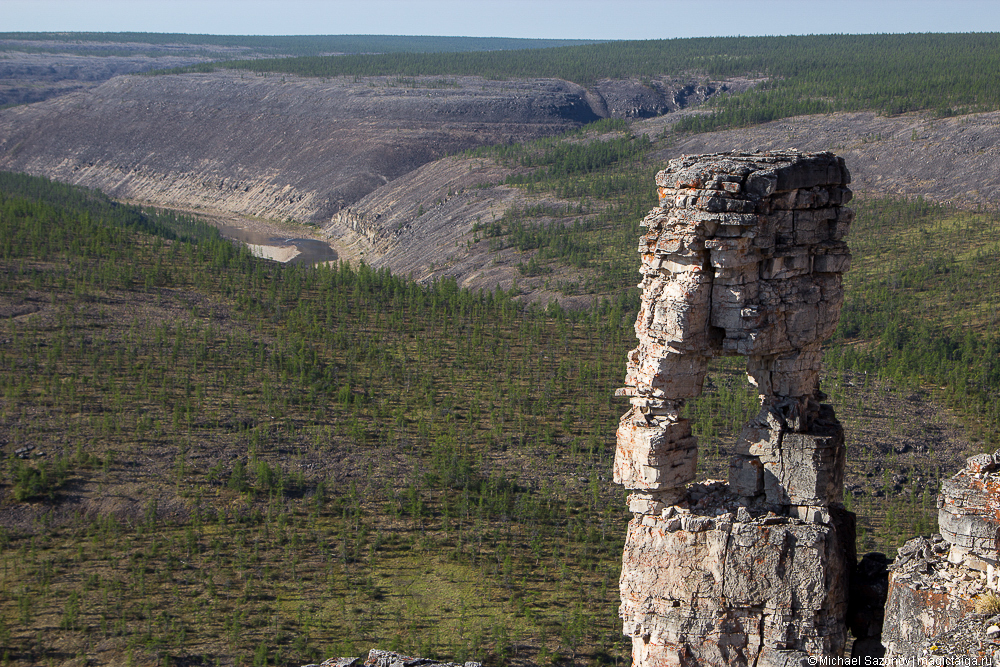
pixel 358 157
pixel 351 144
pixel 953 160
pixel 336 449
pixel 948 73
pixel 284 148
pixel 214 459
pixel 32 77
pixel 38 66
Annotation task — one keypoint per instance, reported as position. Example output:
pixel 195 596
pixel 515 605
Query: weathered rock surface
pixel 379 658
pixel 927 596
pixel 423 220
pixel 743 256
pixel 969 513
pixel 974 640
pixel 934 584
pixel 710 581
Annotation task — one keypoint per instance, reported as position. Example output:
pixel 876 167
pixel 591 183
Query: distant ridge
pixel 950 74
pixel 289 45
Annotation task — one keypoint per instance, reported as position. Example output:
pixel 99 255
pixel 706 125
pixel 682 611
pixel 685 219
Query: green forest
pixel 348 423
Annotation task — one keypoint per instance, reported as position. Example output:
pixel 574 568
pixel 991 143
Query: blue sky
pixel 590 19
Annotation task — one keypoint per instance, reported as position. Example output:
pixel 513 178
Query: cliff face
pixel 265 146
pixel 283 147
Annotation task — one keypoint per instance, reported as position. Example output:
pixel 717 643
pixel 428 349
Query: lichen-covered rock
pixel 969 510
pixel 935 583
pixel 928 596
pixel 974 640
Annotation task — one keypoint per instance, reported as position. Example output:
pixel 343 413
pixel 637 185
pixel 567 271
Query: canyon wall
pixel 292 147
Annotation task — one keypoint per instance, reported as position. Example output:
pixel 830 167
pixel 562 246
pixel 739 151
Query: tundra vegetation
pixel 215 459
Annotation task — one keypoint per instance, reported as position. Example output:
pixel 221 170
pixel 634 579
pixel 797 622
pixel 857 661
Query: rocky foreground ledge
pixel 379 658
pixel 944 592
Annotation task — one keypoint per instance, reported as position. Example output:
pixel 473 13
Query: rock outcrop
pixel 379 658
pixel 743 256
pixel 927 596
pixel 969 515
pixel 937 584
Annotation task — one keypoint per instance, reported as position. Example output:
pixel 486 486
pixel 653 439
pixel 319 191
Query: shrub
pixel 988 603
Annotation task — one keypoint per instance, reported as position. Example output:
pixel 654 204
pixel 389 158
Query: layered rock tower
pixel 744 256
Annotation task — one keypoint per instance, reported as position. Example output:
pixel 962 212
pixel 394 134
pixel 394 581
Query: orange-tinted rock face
pixel 934 582
pixel 969 510
pixel 743 256
pixel 928 595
